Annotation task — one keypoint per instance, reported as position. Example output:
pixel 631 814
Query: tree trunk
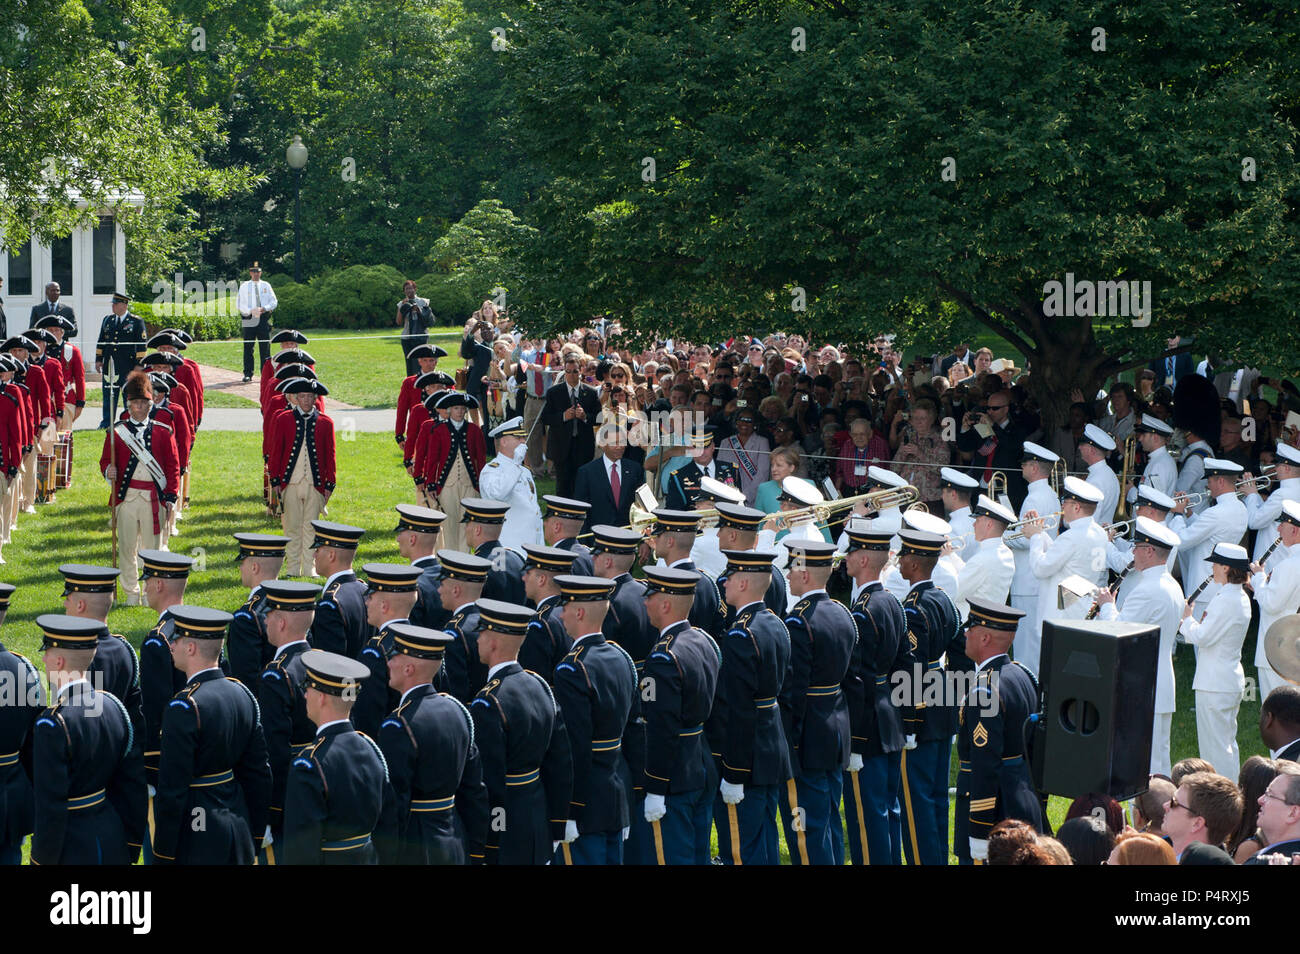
pixel 1065 357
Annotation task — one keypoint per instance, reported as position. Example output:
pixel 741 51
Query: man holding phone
pixel 996 442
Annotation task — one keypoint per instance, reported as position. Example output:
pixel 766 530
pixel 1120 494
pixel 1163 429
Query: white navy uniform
pixel 504 480
pixel 1160 472
pixel 947 570
pixel 889 520
pixel 1156 599
pixel 1191 475
pixel 986 575
pixel 1103 478
pixel 1224 522
pixel 1079 551
pixel 1278 594
pixel 1261 514
pixel 1220 680
pixel 706 553
pixel 1024 585
pixel 1119 554
pixel 963 533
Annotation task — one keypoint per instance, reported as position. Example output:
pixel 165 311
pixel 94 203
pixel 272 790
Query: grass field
pixel 211 398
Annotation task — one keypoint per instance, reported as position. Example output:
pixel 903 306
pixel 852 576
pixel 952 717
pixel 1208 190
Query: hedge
pixel 204 327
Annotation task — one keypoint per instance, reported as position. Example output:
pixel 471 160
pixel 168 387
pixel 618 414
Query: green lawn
pixel 211 398
pixel 359 367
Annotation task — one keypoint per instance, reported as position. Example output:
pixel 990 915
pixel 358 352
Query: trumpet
pixel 1120 527
pixel 1050 522
pixel 1193 498
pixel 1259 483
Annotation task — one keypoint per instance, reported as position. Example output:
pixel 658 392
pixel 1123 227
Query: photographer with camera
pixel 415 318
pixel 995 441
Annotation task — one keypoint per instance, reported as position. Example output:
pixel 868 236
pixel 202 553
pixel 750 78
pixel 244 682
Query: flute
pixel 1114 588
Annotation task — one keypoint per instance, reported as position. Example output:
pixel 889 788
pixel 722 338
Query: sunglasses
pixel 1175 803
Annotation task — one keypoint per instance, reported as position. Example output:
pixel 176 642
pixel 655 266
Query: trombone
pixel 998 485
pixel 1126 472
pixel 877 500
pixel 1050 522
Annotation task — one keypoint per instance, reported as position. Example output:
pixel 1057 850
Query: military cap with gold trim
pixel 289 596
pixel 951 477
pixel 333 674
pixel 674 582
pixel 83 578
pixel 738 516
pixel 1146 530
pixel 292 356
pixel 584 589
pixel 566 508
pixel 449 399
pixel 711 488
pixel 463 566
pixel 336 535
pixel 862 537
pixel 289 334
pixel 511 428
pixel 1032 451
pixel 749 561
pixel 804 493
pixel 929 522
pixel 1150 424
pixel 426 351
pixel 509 619
pixel 419 641
pixel 882 478
pixel 610 539
pixel 1094 435
pixel 1072 488
pixel 550 559
pixel 1214 467
pixel 993 615
pixel 810 554
pixel 265 545
pixel 1148 496
pixel 1286 454
pixel 419 519
pixel 921 542
pixel 69 632
pixel 121 298
pixel 198 622
pixel 1290 512
pixel 6 594
pixel 704 436
pixel 479 510
pixel 391 577
pixel 988 507
pixel 676 521
pixel 432 379
pixel 164 565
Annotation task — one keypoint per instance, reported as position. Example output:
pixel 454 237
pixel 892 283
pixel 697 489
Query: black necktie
pixel 573 399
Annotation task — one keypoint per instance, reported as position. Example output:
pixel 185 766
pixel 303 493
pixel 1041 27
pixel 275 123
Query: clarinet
pixel 1200 589
pixel 1269 552
pixel 1113 588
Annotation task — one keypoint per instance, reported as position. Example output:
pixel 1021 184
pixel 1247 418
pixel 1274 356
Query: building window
pixel 61 265
pixel 20 270
pixel 104 257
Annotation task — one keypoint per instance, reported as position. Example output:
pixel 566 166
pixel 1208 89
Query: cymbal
pixel 1282 647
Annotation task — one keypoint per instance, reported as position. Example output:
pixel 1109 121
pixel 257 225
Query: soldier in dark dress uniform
pixel 440 806
pixel 88 778
pixel 561 526
pixel 16 722
pixel 738 530
pixel 390 594
pixel 88 593
pixel 261 556
pixel 121 345
pixel 873 780
pixel 547 642
pixel 677 691
pixel 673 535
pixel 340 624
pixel 417 540
pixel 163 580
pixel 463 577
pixel 596 687
pixel 483 520
pixel 338 789
pixel 213 759
pixel 527 762
pixel 745 724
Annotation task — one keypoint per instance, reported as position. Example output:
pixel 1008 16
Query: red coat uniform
pixel 39 386
pixel 53 369
pixel 292 434
pixel 173 415
pixel 12 429
pixel 443 447
pixel 74 377
pixel 28 409
pixel 277 405
pixel 421 455
pixel 408 397
pixel 158 440
pixel 183 396
pixel 188 376
pixel 414 420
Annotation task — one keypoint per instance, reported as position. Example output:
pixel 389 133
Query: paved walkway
pixel 232 382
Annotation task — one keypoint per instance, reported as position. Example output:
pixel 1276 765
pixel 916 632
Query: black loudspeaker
pixel 1099 697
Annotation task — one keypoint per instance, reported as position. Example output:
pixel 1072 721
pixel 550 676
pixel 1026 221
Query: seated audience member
pixel 1086 806
pixel 1088 839
pixel 1279 814
pixel 1205 809
pixel 1141 848
pixel 1007 837
pixel 1185 767
pixel 1060 855
pixel 1256 774
pixel 1149 807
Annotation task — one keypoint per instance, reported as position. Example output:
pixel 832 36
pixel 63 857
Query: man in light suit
pixel 990 565
pixel 596 481
pixel 1225 522
pixel 569 416
pixel 1036 466
pixel 505 478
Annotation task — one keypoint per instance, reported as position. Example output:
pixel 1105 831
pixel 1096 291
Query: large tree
pixel 883 161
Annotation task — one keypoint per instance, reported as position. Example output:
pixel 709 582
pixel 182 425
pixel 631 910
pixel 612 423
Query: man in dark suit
pixel 569 416
pixel 1171 368
pixel 596 481
pixel 1279 722
pixel 1279 814
pixel 51 306
pixel 1002 447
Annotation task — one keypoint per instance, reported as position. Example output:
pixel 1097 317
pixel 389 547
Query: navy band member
pixel 706 551
pixel 463 673
pixel 16 723
pixel 596 688
pixel 813 706
pixel 213 759
pixel 561 526
pixel 547 642
pixel 738 530
pixel 873 781
pixel 933 630
pixel 88 593
pixel 507 480
pixel 340 625
pixel 163 578
pixel 440 806
pixel 527 764
pixel 290 609
pixel 390 594
pixel 746 719
pixel 677 691
pixel 993 782
pixel 88 778
pixel 673 536
pixel 418 532
pixel 483 520
pixel 338 789
pixel 959 491
pixel 260 557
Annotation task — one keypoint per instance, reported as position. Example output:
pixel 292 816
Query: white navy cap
pixel 1146 530
pixel 1039 452
pixel 1094 435
pixel 1081 490
pixel 950 477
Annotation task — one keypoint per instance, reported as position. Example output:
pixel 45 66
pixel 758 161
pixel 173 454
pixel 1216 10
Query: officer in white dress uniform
pixel 1220 680
pixel 706 554
pixel 1079 550
pixel 946 568
pixel 1224 522
pixel 1262 515
pixel 1191 470
pixel 1156 600
pixel 1160 472
pixel 888 519
pixel 1095 447
pixel 1153 505
pixel 958 491
pixel 505 478
pixel 1277 591
pixel 989 567
pixel 796 494
pixel 1036 466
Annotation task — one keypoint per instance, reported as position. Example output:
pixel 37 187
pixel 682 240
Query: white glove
pixel 267 839
pixel 152 791
pixel 555 846
pixel 910 743
pixel 655 808
pixel 979 849
pixel 627 833
pixel 732 793
pixel 570 831
pixel 855 762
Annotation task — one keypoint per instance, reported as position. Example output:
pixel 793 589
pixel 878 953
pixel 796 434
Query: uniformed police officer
pixel 596 687
pixel 561 527
pixel 163 580
pixel 87 774
pixel 338 788
pixel 745 724
pixel 677 691
pixel 88 593
pixel 505 478
pixel 816 714
pixel 16 723
pixel 993 780
pixel 527 763
pixel 872 781
pixel 260 557
pixel 482 521
pixel 673 536
pixel 213 762
pixel 121 346
pixel 417 540
pixel 290 609
pixel 390 594
pixel 440 807
pixel 547 642
pixel 738 530
pixel 340 625
pixel 462 674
